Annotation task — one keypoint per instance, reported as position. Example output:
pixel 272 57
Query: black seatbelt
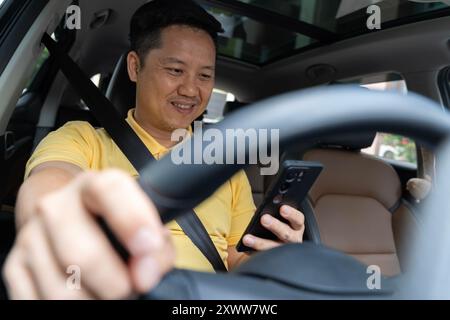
pixel 195 230
pixel 128 142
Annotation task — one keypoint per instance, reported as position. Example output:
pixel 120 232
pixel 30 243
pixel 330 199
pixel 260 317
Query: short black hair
pixel 150 19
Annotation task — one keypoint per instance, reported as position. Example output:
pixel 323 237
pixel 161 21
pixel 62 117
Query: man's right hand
pixel 63 233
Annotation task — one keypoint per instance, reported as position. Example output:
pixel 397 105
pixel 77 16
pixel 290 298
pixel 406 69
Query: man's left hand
pixel 291 232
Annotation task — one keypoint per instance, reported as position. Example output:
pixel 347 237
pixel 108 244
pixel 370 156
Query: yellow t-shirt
pixel 225 214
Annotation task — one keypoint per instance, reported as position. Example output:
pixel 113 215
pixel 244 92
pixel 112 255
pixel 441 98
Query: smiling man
pixel 78 172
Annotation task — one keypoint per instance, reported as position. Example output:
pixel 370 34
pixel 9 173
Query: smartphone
pixel 292 184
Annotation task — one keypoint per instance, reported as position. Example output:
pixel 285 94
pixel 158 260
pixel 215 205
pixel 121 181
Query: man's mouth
pixel 183 107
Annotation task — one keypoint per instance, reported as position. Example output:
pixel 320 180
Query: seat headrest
pixel 121 90
pixel 354 174
pixel 348 141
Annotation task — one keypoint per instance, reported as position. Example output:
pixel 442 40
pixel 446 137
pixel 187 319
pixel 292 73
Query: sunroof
pixel 335 15
pixel 255 42
pixel 263 31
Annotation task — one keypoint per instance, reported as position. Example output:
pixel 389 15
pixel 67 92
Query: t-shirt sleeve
pixel 243 207
pixel 73 143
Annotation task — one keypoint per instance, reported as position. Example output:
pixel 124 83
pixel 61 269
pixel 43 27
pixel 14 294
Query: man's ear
pixel 133 65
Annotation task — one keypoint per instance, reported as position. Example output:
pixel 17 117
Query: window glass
pixel 57 36
pixel 392 146
pixel 40 61
pixel 216 105
pixel 343 15
pixel 262 31
pixel 96 79
pixel 253 41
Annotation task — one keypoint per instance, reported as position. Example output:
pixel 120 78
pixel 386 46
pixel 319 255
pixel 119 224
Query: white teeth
pixel 182 106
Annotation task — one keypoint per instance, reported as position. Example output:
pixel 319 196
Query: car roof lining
pixel 402 48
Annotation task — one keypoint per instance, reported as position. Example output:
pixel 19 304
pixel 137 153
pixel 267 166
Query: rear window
pixel 216 105
pixel 392 146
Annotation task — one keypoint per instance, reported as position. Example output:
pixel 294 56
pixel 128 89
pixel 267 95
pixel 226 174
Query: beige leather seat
pixel 357 206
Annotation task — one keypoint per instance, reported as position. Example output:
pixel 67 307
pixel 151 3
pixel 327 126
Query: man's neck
pixel 161 136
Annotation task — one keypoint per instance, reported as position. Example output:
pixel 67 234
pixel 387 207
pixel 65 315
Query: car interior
pixel 363 204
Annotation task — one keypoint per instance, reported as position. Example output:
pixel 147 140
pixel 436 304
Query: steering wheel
pixel 291 271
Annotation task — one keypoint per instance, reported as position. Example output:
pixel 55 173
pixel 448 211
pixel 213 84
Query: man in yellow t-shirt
pixel 78 172
pixel 78 143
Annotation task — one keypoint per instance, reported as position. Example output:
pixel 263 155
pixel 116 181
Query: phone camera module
pixel 291 175
pixel 284 188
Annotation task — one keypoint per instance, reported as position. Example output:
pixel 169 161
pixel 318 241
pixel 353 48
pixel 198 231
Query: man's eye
pixel 205 76
pixel 175 72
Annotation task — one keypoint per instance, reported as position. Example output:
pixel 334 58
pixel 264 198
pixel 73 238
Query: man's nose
pixel 188 88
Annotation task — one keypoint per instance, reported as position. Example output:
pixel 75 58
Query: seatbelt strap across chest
pixel 128 142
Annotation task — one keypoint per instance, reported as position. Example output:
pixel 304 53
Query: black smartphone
pixel 292 184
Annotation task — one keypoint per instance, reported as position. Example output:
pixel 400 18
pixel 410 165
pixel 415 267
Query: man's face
pixel 176 81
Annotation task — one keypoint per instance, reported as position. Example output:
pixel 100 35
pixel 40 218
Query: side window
pixel 216 105
pixel 101 80
pixel 42 74
pixel 65 39
pixel 392 146
pixel 40 61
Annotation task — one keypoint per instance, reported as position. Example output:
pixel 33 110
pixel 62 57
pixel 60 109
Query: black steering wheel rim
pixel 298 115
